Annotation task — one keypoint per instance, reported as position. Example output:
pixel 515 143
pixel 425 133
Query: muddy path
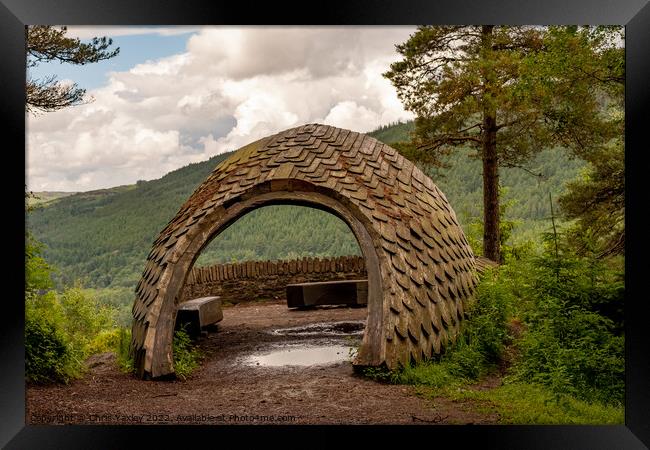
pixel 234 386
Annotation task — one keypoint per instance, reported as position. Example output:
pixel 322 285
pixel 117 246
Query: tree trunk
pixel 491 233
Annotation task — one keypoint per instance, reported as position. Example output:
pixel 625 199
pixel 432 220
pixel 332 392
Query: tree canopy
pixel 45 44
pixel 507 92
pixel 596 200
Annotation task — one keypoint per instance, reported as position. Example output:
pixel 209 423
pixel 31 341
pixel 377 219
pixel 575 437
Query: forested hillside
pixel 47 196
pixel 103 237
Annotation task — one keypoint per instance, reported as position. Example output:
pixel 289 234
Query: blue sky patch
pixel 134 49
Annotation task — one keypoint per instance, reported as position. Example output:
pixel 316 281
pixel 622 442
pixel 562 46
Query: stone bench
pixel 197 314
pixel 344 292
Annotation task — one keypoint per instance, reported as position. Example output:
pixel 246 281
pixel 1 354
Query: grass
pixel 491 345
pixel 187 356
pixel 522 403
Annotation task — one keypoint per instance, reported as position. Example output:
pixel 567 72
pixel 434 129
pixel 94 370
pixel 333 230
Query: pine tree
pixel 46 43
pixel 503 91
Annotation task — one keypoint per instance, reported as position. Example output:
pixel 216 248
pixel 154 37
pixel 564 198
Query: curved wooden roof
pixel 428 270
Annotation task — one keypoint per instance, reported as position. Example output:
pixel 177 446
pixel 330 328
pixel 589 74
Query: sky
pixel 179 95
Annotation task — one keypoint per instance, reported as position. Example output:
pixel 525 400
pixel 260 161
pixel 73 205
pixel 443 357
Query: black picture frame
pixel 634 14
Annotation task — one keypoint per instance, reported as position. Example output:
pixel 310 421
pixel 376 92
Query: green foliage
pixel 186 355
pixel 521 403
pixel 120 299
pixel 479 347
pixel 560 319
pixel 586 67
pixel 37 271
pixel 393 133
pixel 83 317
pixel 525 207
pixel 525 194
pixel 507 93
pixel 106 340
pixel 596 199
pixel 72 320
pixel 488 317
pixel 453 87
pixel 123 350
pixel 509 249
pixel 48 355
pixel 103 237
pixel 430 373
pixel 575 343
pixel 576 80
pixel 46 197
pixel 61 329
pixel 381 374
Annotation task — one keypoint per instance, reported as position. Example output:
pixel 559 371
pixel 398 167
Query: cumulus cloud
pixel 231 87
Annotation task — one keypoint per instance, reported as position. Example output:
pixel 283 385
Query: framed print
pixel 310 73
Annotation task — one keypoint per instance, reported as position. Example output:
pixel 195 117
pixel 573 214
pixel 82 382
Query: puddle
pixel 300 355
pixel 329 328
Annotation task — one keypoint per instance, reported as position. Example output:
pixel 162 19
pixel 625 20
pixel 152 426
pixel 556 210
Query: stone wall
pixel 263 280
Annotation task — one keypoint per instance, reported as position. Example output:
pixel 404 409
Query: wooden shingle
pixel 429 271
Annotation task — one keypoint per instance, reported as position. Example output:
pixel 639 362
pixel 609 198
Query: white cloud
pixel 348 114
pixel 231 87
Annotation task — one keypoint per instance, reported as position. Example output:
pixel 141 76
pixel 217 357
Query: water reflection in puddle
pixel 302 356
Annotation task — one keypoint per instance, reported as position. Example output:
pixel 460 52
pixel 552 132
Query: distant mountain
pixel 46 197
pixel 103 237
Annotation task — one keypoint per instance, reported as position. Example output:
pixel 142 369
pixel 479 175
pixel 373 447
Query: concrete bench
pixel 344 292
pixel 197 314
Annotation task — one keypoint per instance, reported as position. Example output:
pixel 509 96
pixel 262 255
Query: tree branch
pixel 525 169
pixel 443 140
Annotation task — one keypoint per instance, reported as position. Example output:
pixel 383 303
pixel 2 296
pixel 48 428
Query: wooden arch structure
pixel 421 269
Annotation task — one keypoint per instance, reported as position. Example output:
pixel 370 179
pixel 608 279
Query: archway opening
pixel 280 232
pixel 277 240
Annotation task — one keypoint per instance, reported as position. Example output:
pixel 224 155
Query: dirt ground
pixel 224 390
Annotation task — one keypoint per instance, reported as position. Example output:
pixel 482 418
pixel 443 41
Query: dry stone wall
pixel 263 280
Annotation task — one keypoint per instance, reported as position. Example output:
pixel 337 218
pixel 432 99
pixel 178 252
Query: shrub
pixel 61 329
pixel 83 318
pixel 104 341
pixel 186 355
pixel 381 374
pixel 571 347
pixel 48 355
pixel 479 346
pixel 71 326
pixel 588 365
pixel 486 327
pixel 37 270
pixel 568 345
pixel 122 350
